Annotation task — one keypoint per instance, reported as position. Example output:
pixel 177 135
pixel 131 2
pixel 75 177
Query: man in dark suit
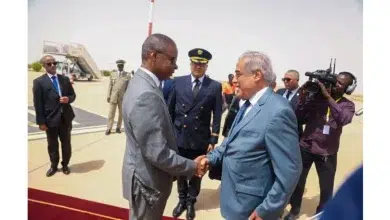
pixel 193 98
pixel 166 88
pixel 53 94
pixel 290 92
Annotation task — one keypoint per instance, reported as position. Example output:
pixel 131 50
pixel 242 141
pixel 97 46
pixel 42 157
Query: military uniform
pixel 191 103
pixel 116 90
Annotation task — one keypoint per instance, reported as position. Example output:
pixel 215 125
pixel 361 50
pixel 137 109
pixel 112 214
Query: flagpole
pixel 151 17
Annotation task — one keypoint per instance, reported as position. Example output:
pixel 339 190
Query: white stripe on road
pixel 33 113
pixel 42 135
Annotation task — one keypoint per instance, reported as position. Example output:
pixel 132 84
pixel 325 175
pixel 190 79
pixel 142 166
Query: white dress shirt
pixel 162 84
pixel 154 77
pixel 253 100
pixel 193 81
pixel 291 95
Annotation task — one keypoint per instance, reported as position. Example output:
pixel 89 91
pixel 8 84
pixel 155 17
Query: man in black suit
pixel 53 94
pixel 290 92
pixel 193 99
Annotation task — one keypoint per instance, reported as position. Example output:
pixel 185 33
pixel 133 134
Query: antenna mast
pixel 334 66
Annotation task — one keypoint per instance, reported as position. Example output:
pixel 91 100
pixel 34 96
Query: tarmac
pixel 96 161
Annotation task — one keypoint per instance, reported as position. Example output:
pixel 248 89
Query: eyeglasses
pixel 286 79
pixel 170 58
pixel 51 64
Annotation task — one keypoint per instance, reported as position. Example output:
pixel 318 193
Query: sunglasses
pixel 286 79
pixel 51 64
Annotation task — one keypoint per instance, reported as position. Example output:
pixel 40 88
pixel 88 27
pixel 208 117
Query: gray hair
pixel 155 42
pixel 296 73
pixel 44 58
pixel 256 61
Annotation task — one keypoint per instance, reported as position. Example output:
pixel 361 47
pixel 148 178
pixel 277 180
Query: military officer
pixel 116 90
pixel 193 99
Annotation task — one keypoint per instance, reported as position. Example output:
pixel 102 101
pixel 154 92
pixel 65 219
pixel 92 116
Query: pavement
pixel 96 161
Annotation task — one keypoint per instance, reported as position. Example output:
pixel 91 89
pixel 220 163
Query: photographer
pixel 324 116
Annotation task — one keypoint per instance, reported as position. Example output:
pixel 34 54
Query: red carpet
pixel 44 205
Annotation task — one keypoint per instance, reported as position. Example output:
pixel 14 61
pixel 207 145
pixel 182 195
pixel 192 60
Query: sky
pixel 299 34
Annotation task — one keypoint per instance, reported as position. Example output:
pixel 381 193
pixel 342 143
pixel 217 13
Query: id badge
pixel 326 129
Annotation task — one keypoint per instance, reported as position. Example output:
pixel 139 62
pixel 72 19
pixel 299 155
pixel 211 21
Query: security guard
pixel 116 90
pixel 192 100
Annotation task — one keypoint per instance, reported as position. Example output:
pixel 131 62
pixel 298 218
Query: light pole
pixel 151 17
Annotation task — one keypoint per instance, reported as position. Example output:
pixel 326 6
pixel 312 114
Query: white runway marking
pixel 33 113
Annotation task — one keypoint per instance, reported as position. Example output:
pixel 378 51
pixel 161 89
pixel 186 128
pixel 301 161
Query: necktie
pixel 241 112
pixel 196 87
pixel 288 94
pixel 55 84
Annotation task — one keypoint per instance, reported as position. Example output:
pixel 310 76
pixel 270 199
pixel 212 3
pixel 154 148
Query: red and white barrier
pixel 151 17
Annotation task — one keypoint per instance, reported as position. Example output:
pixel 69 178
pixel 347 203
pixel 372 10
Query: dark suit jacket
pixel 48 109
pixel 294 99
pixel 192 116
pixel 231 115
pixel 167 88
pixel 294 104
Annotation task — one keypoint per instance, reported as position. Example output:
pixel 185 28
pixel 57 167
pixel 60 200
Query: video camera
pixel 326 77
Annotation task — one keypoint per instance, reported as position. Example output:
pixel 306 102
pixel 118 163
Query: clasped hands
pixel 202 165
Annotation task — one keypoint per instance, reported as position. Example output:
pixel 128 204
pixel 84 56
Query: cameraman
pixel 324 117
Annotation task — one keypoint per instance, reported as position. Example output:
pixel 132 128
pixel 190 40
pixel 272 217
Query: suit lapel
pixel 294 100
pixel 281 92
pixel 61 82
pixel 149 80
pixel 295 97
pixel 201 94
pixel 251 114
pixel 188 89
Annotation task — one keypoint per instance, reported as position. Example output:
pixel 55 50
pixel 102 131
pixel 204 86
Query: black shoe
pixel 51 172
pixel 179 209
pixel 66 170
pixel 190 211
pixel 291 216
pixel 118 130
pixel 108 132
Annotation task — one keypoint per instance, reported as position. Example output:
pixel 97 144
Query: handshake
pixel 202 165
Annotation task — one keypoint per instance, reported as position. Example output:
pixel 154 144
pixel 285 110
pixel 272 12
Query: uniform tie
pixel 196 87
